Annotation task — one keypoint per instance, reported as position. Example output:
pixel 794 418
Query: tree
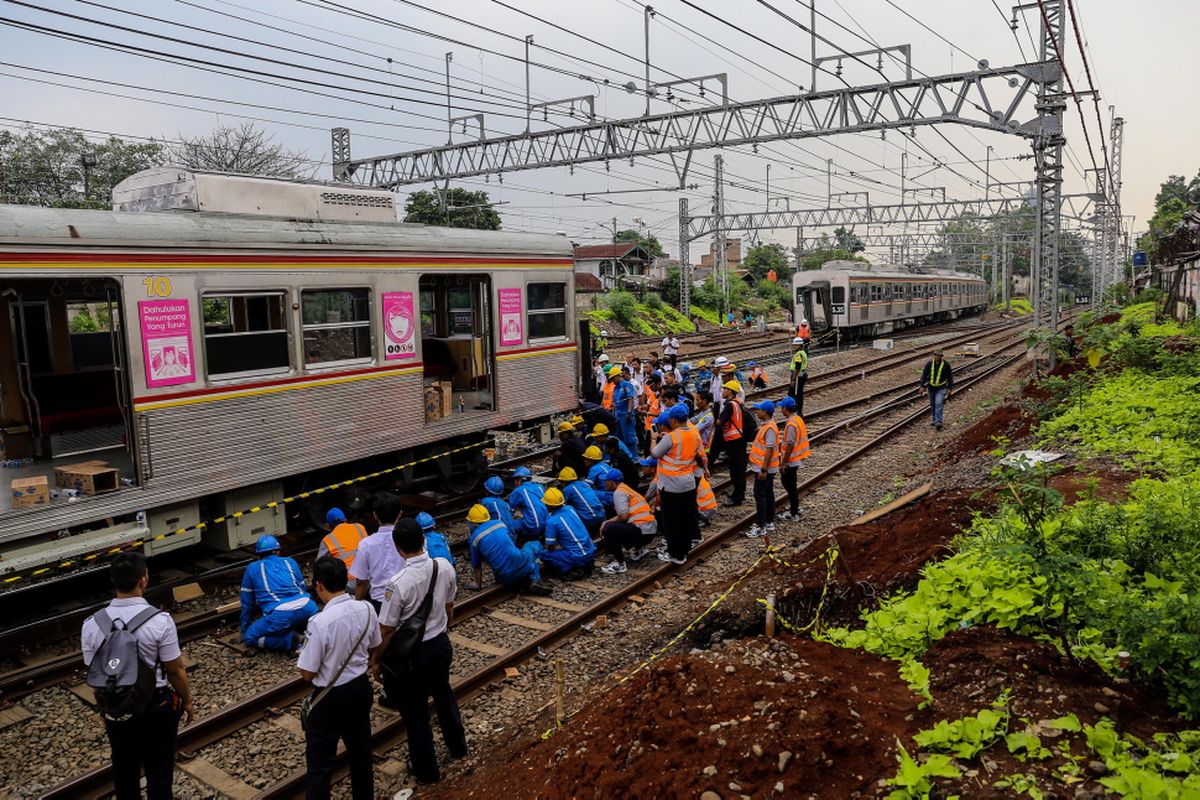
pixel 762 258
pixel 846 240
pixel 465 209
pixel 649 242
pixel 815 259
pixel 244 149
pixel 1175 197
pixel 45 168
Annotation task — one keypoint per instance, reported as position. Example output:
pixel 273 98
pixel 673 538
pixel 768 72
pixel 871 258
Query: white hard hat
pixel 604 333
pixel 798 340
pixel 803 321
pixel 721 361
pixel 603 359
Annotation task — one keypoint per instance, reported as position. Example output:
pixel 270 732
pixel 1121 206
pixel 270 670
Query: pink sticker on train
pixel 167 342
pixel 511 317
pixel 399 326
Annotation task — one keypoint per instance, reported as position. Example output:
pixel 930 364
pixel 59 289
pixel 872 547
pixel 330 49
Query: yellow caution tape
pixel 831 556
pixel 10 579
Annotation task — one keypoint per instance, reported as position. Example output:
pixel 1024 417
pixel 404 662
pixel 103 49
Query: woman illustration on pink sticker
pixel 399 323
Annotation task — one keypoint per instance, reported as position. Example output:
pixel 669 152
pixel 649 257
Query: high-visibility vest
pixel 800 361
pixel 653 408
pixel 680 459
pixel 758 448
pixel 937 373
pixel 732 430
pixel 705 499
pixel 800 450
pixel 342 542
pixel 639 509
pixel 758 372
pixel 607 399
pixel 803 331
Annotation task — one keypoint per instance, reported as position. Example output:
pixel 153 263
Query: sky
pixel 164 68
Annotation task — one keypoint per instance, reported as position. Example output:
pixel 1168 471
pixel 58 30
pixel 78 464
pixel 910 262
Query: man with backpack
pixel 136 671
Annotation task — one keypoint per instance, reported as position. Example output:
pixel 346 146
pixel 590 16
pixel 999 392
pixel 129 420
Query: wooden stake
pixel 771 616
pixel 558 693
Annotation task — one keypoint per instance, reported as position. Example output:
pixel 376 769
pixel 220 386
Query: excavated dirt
pixel 1098 479
pixel 883 556
pixel 758 718
pixel 1008 421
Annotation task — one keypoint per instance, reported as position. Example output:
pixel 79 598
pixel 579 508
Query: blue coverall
pixel 435 544
pixel 595 477
pixel 274 585
pixel 587 504
pixel 527 498
pixel 492 542
pixel 498 508
pixel 576 548
pixel 620 443
pixel 626 419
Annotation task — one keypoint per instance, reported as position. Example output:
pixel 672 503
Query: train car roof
pixel 826 274
pixel 38 226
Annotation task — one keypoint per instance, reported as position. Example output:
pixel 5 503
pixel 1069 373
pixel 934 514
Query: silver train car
pixel 843 297
pixel 217 343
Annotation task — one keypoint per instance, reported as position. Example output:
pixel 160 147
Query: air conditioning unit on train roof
pixel 180 189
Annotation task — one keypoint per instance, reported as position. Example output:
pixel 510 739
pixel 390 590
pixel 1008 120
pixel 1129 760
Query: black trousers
pixel 788 479
pixel 679 521
pixel 735 453
pixel 764 499
pixel 430 677
pixel 619 535
pixel 343 714
pixel 796 392
pixel 146 741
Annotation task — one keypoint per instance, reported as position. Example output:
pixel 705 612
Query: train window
pixel 876 293
pixel 428 311
pixel 336 324
pixel 462 312
pixel 547 304
pixel 245 334
pixel 837 294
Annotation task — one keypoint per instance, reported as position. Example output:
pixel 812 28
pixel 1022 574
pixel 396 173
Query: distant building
pixel 610 262
pixel 733 255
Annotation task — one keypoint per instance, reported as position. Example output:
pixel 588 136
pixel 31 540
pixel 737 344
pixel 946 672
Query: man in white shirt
pixel 670 348
pixel 147 738
pixel 377 560
pixel 341 638
pixel 427 672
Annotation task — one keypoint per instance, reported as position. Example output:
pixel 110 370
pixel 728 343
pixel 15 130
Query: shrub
pixel 623 307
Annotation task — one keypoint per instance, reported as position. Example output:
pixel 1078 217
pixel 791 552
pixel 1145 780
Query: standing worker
pixel 378 560
pixel 764 463
pixel 670 348
pixel 732 424
pixel 937 379
pixel 793 450
pixel 343 538
pixel 799 375
pixel 141 725
pixel 275 586
pixel 623 408
pixel 340 641
pixel 491 541
pixel 703 420
pixel 803 331
pixel 681 458
pixel 411 681
pixel 569 548
pixel 526 499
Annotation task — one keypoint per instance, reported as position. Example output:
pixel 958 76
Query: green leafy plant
pixel 967 737
pixel 623 307
pixel 915 779
pixel 1021 784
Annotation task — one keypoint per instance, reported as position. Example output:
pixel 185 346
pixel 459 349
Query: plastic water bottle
pixel 462 407
pixel 69 493
pixel 127 482
pixel 141 519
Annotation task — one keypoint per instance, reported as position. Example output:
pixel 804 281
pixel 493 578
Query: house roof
pixel 618 250
pixel 587 282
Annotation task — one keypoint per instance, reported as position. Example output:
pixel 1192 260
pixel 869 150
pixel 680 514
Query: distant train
pixel 221 342
pixel 843 297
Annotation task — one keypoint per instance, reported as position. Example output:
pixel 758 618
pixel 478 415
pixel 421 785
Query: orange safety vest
pixel 653 408
pixel 705 499
pixel 758 448
pixel 639 509
pixel 800 450
pixel 342 542
pixel 732 430
pixel 606 399
pixel 758 372
pixel 680 459
pixel 802 331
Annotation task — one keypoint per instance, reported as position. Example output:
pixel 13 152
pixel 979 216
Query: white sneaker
pixel 637 554
pixel 756 532
pixel 615 568
pixel 787 516
pixel 663 556
pixel 770 527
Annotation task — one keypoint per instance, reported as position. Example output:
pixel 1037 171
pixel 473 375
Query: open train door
pixel 812 301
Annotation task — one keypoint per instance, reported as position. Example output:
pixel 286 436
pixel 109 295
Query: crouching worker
pixel 491 541
pixel 435 543
pixel 634 525
pixel 569 548
pixel 582 497
pixel 273 585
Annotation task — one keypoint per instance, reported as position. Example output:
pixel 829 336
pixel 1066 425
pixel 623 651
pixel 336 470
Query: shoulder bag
pixel 313 699
pixel 408 635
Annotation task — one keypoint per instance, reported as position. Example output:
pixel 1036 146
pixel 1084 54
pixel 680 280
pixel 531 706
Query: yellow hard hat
pixel 614 370
pixel 733 386
pixel 600 429
pixel 576 420
pixel 478 514
pixel 565 427
pixel 567 474
pixel 553 498
pixel 701 364
pixel 593 454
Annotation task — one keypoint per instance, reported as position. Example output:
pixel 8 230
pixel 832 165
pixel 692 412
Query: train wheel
pixel 465 476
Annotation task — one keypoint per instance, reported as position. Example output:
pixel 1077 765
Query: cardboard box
pixel 16 442
pixel 64 475
pixel 433 404
pixel 30 492
pixel 445 396
pixel 93 479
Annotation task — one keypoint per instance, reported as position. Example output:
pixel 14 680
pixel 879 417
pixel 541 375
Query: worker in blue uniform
pixel 495 503
pixel 601 434
pixel 515 567
pixel 583 498
pixel 569 548
pixel 623 398
pixel 274 586
pixel 526 500
pixel 435 543
pixel 597 468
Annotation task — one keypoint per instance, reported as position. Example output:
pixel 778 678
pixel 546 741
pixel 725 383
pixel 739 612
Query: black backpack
pixel 122 681
pixel 749 423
